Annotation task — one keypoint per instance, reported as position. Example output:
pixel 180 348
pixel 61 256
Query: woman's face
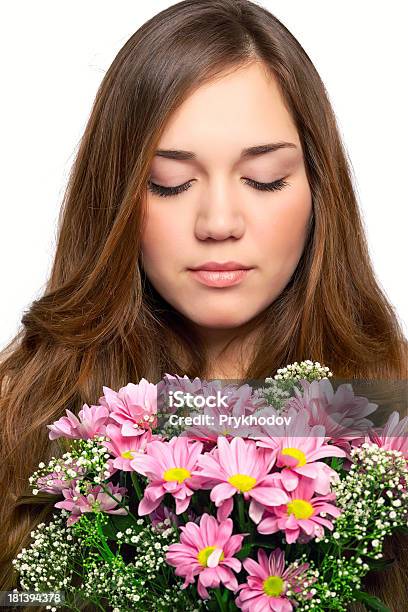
pixel 220 215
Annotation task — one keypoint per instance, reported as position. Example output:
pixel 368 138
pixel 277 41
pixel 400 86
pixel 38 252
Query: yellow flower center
pixel 301 508
pixel 242 482
pixel 204 553
pixel 273 586
pixel 179 474
pixel 128 454
pixel 296 454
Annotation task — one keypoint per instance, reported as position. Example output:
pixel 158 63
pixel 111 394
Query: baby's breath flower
pixel 279 388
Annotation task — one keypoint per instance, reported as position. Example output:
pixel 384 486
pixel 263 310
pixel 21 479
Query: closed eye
pixel 172 191
pixel 274 186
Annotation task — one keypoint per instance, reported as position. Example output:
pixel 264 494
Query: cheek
pixel 282 230
pixel 162 240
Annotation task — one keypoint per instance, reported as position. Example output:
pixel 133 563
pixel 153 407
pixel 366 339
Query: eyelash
pixel 172 191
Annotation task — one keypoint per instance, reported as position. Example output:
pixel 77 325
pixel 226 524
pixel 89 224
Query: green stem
pixel 105 546
pixel 100 606
pixel 241 513
pixel 262 545
pixel 220 600
pixel 136 485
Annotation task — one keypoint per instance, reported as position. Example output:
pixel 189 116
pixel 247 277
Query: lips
pixel 220 277
pixel 222 267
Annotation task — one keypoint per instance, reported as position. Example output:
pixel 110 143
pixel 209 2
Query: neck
pixel 228 351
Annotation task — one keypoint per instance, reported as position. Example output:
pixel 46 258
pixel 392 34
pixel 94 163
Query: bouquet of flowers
pixel 275 498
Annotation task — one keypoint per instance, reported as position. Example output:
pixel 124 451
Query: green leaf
pixel 265 544
pixel 244 552
pixel 336 463
pixel 115 524
pixel 371 601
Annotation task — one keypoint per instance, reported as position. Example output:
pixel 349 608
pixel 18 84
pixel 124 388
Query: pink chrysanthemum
pixel 301 515
pixel 178 383
pixel 54 482
pixel 239 466
pixel 240 403
pixel 207 550
pixel 133 407
pixel 125 448
pixel 394 435
pixel 91 421
pixel 169 466
pixel 342 413
pixel 162 517
pixel 93 500
pixel 298 451
pixel 268 583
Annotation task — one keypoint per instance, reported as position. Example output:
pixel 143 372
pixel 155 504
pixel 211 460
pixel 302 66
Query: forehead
pixel 226 113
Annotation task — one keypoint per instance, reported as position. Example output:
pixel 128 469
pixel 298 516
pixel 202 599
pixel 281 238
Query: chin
pixel 225 320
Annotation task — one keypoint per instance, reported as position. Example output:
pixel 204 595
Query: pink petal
pixel 268 525
pixel 253 568
pixel 233 545
pixel 209 577
pixel 224 532
pixel 269 496
pixel 147 505
pixel 292 535
pixel 233 563
pixel 222 492
pixel 202 591
pixel 181 505
pixel 289 479
pixel 256 511
pixel 225 509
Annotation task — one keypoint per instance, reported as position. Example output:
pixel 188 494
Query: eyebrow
pixel 247 153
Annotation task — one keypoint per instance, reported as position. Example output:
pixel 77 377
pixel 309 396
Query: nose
pixel 220 214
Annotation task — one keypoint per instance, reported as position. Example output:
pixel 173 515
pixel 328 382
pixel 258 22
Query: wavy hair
pixel 100 322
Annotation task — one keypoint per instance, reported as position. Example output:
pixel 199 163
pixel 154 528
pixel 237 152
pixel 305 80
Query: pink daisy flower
pixel 298 451
pixel 268 583
pixel 94 500
pixel 91 421
pixel 207 550
pixel 239 466
pixel 302 515
pixel 125 448
pixel 169 466
pixel 133 407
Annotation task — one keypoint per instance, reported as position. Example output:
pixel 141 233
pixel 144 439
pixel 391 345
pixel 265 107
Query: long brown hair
pixel 100 322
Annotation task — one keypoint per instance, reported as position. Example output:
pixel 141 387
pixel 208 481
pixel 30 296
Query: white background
pixel 53 57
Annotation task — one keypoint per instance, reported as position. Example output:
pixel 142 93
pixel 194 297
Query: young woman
pixel 211 139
